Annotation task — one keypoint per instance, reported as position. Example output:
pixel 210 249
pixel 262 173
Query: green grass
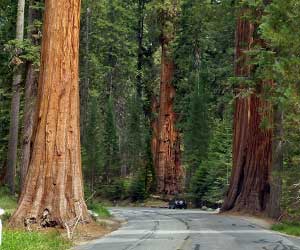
pixel 7 202
pixel 291 228
pixel 100 210
pixel 17 240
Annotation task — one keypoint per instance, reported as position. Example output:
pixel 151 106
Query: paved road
pixel 163 229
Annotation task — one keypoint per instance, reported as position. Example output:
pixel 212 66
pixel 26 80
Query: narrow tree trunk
pixel 84 86
pixel 154 127
pixel 54 181
pixel 140 37
pixel 15 107
pixel 30 94
pixel 274 204
pixel 249 186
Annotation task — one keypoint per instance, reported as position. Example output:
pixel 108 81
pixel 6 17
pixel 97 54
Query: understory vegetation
pixel 16 240
pixel 291 228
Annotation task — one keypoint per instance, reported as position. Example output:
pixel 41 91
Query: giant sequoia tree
pixel 54 180
pixel 166 146
pixel 252 143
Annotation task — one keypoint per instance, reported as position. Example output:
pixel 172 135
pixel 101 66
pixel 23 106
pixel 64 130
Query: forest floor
pixel 53 239
pixel 286 227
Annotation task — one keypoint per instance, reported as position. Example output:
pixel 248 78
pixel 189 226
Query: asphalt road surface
pixel 164 229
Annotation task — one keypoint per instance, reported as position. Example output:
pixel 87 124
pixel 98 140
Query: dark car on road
pixel 177 203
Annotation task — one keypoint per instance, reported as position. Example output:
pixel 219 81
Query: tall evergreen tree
pixel 196 131
pixel 110 144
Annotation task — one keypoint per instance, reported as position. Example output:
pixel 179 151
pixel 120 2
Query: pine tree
pixel 196 131
pixel 110 144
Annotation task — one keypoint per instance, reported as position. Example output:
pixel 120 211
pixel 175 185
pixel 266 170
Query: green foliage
pixel 110 144
pixel 196 130
pixel 279 29
pixel 199 186
pixel 92 151
pixel 8 10
pixel 291 173
pixel 16 240
pixel 138 187
pixel 7 202
pixel 21 52
pixel 211 179
pixel 113 191
pixel 291 228
pixel 118 127
pixel 204 57
pixel 135 143
pixel 99 209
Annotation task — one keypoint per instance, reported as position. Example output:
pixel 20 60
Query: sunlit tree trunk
pixel 54 180
pixel 15 106
pixel 252 144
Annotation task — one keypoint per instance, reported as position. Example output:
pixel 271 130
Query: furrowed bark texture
pixel 167 158
pixel 252 151
pixel 54 180
pixel 30 94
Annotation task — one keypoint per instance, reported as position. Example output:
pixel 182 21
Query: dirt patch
pixel 258 219
pixel 95 230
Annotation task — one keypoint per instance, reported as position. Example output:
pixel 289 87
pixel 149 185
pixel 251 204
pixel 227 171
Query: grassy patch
pixel 7 202
pixel 100 210
pixel 291 228
pixel 16 240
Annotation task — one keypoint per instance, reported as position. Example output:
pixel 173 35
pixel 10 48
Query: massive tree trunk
pixel 167 158
pixel 249 186
pixel 54 182
pixel 15 107
pixel 30 93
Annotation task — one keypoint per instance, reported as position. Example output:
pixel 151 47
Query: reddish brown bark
pixel 252 152
pixel 54 179
pixel 167 156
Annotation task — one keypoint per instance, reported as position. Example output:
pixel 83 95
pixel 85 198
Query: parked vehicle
pixel 177 203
